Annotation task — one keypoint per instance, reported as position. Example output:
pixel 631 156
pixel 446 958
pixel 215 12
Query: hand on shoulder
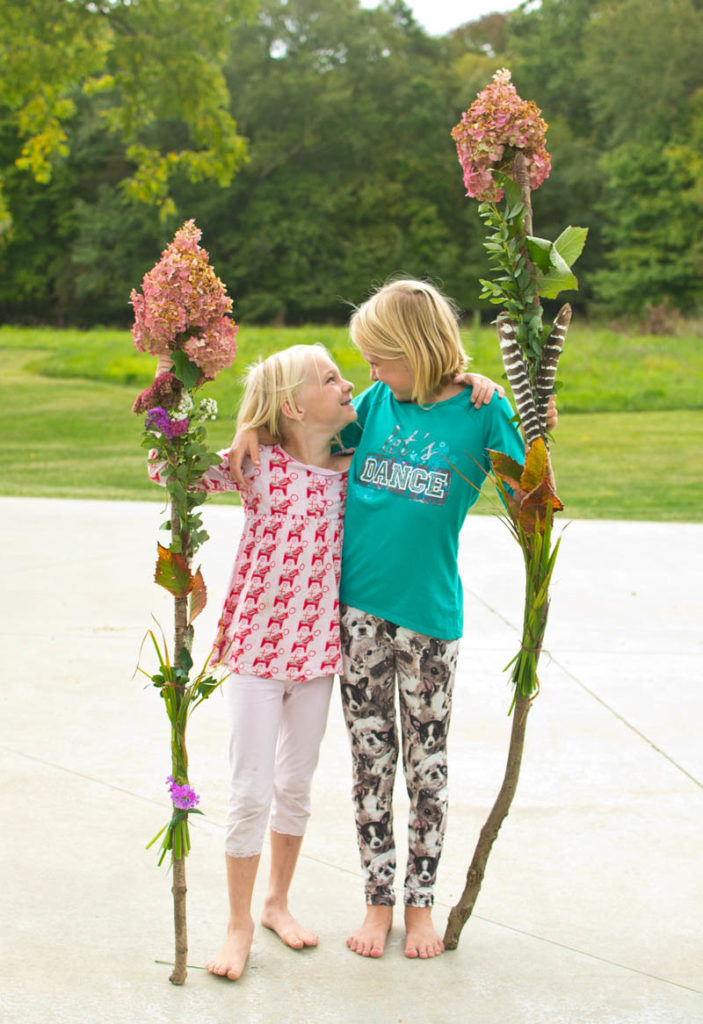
pixel 482 388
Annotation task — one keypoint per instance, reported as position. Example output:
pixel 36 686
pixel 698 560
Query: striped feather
pixel 519 379
pixel 547 371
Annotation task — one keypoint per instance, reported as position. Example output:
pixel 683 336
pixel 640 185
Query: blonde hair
pixel 272 381
pixel 412 319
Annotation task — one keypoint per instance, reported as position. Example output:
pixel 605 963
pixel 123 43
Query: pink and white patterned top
pixel 281 616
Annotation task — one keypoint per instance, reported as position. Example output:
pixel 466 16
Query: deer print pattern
pixel 281 615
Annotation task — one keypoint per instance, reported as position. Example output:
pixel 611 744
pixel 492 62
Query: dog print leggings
pixel 376 653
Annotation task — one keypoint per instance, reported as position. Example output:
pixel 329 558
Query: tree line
pixel 310 141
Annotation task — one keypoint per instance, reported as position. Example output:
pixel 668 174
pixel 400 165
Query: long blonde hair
pixel 412 319
pixel 272 381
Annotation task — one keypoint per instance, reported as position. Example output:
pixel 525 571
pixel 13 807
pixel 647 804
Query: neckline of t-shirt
pixel 427 406
pixel 311 469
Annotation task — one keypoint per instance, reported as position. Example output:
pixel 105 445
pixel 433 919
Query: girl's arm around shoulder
pixel 482 388
pixel 246 444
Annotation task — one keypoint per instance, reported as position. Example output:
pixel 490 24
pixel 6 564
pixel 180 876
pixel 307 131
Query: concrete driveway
pixel 590 911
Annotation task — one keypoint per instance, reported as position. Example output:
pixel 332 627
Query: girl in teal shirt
pixel 421 458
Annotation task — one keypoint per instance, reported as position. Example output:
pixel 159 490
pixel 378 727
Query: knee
pixel 291 807
pixel 247 817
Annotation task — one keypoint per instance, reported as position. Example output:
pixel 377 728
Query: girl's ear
pixel 290 411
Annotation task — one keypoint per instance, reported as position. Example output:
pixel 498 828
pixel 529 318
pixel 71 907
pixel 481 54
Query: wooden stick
pixel 460 914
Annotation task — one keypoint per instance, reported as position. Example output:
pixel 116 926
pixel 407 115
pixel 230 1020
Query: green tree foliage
pixel 648 117
pixel 350 173
pixel 652 229
pixel 619 82
pixel 148 64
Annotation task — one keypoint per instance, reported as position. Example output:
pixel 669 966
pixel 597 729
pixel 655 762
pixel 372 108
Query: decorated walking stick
pixel 501 146
pixel 183 314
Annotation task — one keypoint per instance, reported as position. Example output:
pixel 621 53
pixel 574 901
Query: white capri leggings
pixel 276 727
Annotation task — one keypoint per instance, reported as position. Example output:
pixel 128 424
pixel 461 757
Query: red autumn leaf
pixel 506 468
pixel 172 572
pixel 537 505
pixel 198 597
pixel 513 504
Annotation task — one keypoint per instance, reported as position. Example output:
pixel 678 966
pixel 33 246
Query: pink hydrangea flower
pixel 184 305
pixel 497 124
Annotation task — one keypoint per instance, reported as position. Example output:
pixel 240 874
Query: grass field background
pixel 628 445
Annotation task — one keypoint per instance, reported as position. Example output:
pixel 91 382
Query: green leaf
pixel 557 279
pixel 185 659
pixel 539 250
pixel 513 194
pixel 207 687
pixel 570 244
pixel 188 373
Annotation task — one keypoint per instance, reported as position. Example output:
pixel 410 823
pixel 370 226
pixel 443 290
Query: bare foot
pixel 280 920
pixel 230 961
pixel 370 939
pixel 421 938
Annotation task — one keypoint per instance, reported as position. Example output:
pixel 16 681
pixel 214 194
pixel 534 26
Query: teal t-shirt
pixel 407 501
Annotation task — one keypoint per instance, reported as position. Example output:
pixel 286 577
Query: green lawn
pixel 628 444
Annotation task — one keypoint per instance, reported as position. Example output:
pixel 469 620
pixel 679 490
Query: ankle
pixel 413 913
pixel 379 912
pixel 240 923
pixel 275 901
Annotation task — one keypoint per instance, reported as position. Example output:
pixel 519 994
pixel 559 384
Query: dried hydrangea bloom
pixel 184 305
pixel 214 348
pixel 166 391
pixel 496 125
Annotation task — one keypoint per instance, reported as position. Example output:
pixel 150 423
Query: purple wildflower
pixel 183 797
pixel 158 419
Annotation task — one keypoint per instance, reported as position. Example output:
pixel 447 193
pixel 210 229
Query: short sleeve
pixel 215 481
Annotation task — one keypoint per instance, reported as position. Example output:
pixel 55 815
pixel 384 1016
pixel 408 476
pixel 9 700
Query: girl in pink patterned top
pixel 279 633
